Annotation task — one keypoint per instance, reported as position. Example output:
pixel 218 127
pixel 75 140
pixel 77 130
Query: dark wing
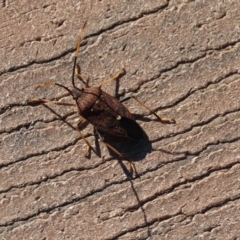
pixel 134 131
pixel 110 116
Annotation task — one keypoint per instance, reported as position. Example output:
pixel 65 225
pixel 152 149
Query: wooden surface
pixel 182 58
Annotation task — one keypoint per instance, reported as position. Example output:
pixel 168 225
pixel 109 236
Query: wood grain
pixel 182 59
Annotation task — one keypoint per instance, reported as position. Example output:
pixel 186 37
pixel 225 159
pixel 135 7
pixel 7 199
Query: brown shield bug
pixel 103 111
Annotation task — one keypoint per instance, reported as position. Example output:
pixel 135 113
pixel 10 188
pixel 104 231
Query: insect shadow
pixel 115 126
pixel 134 149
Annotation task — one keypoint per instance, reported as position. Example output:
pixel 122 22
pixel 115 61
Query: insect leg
pixel 89 147
pixel 162 120
pixel 116 77
pixel 82 77
pixel 132 165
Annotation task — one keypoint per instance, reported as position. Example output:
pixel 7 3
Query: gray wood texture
pixel 182 58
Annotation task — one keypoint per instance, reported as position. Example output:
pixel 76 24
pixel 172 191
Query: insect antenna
pixel 62 86
pixel 76 56
pixel 74 68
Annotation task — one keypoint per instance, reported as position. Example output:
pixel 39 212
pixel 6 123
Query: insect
pixel 106 113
